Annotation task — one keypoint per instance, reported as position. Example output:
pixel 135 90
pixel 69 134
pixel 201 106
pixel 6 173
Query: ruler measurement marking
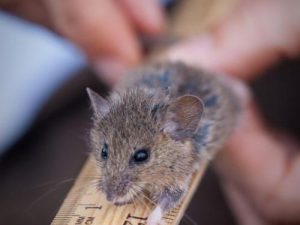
pixel 92 208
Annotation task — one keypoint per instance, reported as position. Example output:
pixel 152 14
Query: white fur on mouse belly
pixel 155 218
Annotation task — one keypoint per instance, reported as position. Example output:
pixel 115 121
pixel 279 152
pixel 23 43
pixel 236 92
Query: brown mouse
pixel 151 133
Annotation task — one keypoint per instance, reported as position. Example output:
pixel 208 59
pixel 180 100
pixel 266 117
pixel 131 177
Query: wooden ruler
pixel 84 205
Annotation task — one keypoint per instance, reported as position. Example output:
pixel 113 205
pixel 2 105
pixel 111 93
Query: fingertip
pixel 110 70
pixel 196 51
pixel 99 28
pixel 148 16
pixel 242 91
pixel 129 50
pixel 249 124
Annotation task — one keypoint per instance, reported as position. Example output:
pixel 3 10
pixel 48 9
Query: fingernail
pixel 109 69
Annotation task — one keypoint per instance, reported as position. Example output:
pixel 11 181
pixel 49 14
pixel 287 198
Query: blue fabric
pixel 33 64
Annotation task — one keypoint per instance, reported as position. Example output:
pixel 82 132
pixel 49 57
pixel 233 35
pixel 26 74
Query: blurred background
pixel 45 114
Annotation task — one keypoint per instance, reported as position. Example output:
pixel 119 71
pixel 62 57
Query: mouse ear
pixel 99 104
pixel 183 116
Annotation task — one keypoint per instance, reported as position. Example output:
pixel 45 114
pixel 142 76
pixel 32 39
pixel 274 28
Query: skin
pixel 256 35
pixel 110 49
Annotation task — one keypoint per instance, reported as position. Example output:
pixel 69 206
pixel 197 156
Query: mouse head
pixel 143 142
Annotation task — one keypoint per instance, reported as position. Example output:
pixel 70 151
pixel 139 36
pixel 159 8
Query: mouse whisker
pixel 47 193
pixel 133 197
pixel 138 192
pixel 144 195
pixel 143 203
pixel 138 197
pixel 49 183
pixel 189 219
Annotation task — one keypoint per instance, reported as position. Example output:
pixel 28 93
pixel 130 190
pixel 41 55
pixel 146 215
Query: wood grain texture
pixel 85 205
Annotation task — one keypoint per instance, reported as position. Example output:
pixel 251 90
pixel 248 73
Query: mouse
pixel 155 128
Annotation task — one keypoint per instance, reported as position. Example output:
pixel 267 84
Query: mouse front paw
pixel 155 218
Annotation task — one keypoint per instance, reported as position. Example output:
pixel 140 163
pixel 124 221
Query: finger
pixel 99 27
pixel 259 164
pixel 242 209
pixel 148 16
pixel 256 35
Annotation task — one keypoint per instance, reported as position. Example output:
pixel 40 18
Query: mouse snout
pixel 117 188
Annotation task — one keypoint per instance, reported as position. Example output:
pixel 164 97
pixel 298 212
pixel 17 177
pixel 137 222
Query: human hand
pixel 106 30
pixel 260 168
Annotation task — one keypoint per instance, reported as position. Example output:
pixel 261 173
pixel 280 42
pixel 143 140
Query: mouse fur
pixel 170 113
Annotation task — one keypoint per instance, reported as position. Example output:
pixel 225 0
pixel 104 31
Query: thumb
pixel 257 34
pixel 263 166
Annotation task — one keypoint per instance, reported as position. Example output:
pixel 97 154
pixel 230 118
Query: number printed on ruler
pixel 85 205
pixel 90 211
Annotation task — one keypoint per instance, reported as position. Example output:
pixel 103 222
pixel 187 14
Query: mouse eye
pixel 104 151
pixel 141 155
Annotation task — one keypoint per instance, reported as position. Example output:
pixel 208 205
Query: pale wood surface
pixel 85 205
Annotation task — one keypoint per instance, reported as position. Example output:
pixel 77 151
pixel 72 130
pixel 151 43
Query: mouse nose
pixel 117 188
pixel 113 192
pixel 109 196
